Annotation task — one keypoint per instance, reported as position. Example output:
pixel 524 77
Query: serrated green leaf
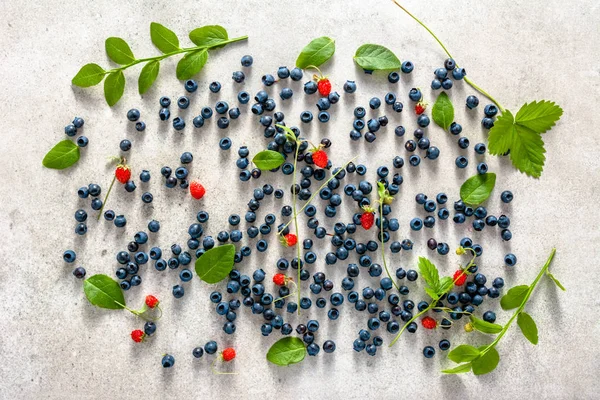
pixel 89 75
pixel 502 134
pixel 430 273
pixel 215 264
pixel 119 51
pixel 114 86
pixel 209 35
pixel 317 52
pixel 528 327
pixel 539 116
pixel 464 353
pixel 443 111
pixel 432 293
pixel 104 292
pixel 163 38
pixel 462 368
pixel 287 351
pixel 191 64
pixel 487 362
pixel 148 76
pixel 527 153
pixel 64 154
pixel 477 188
pixel 556 281
pixel 514 297
pixel 268 159
pixel 484 326
pixel 376 57
pixel 445 284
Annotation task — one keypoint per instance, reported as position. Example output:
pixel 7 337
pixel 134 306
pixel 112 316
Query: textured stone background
pixel 53 344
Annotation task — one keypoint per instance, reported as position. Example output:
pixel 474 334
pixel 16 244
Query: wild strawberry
pixel 429 323
pixel 320 159
pixel 367 219
pixel 123 173
pixel 420 107
pixel 280 279
pixel 197 190
pixel 289 240
pixel 460 277
pixel 324 86
pixel 228 354
pixel 151 301
pixel 138 335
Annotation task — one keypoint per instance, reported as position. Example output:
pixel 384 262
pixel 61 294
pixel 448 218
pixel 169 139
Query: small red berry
pixel 420 107
pixel 460 277
pixel 320 159
pixel 279 279
pixel 324 87
pixel 123 173
pixel 228 354
pixel 291 239
pixel 429 323
pixel 367 219
pixel 151 301
pixel 197 190
pixel 138 335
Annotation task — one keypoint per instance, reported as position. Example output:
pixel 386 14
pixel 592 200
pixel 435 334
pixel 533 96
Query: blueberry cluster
pixel 73 129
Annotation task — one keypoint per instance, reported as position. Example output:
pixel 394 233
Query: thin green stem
pixel 529 292
pixel 184 50
pixel 469 81
pixel 387 271
pixel 106 197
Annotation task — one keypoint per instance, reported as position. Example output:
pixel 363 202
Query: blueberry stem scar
pixel 469 81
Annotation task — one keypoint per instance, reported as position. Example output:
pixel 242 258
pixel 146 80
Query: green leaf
pixel 216 264
pixel 317 52
pixel 445 284
pixel 477 188
pixel 528 327
pixel 514 297
pixel 487 362
pixel 64 154
pixel 375 57
pixel 89 75
pixel 287 351
pixel 148 76
pixel 209 35
pixel 114 86
pixel 539 116
pixel 526 146
pixel 432 293
pixel 556 281
pixel 165 39
pixel 104 292
pixel 462 368
pixel 484 326
pixel 191 64
pixel 268 159
pixel 430 273
pixel 119 51
pixel 464 353
pixel 443 111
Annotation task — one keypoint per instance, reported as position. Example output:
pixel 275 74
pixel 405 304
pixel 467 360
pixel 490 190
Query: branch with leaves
pixel 205 38
pixel 484 359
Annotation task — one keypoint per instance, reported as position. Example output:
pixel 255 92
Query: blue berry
pixel 436 84
pixel 350 87
pixel 79 272
pixel 506 196
pixel 490 110
pixel 178 291
pixel 133 115
pixel 482 168
pixel 461 162
pixel 510 260
pixel 472 102
pixel 487 123
pixel 428 352
pixel 489 316
pixel 447 84
pixel 296 74
pixel 393 77
pixel 238 76
pixel 70 130
pixel 458 73
pixel 168 361
pixel 164 114
pixel 82 141
pixel 407 67
pixel 214 87
pixel 125 145
pixel 247 61
pixel 78 122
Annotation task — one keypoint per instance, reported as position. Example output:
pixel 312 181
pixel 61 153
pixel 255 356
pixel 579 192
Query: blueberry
pixel 506 235
pixel 164 114
pixel 393 77
pixel 487 123
pixel 247 61
pixel 310 87
pixel 178 291
pixel 472 102
pixel 458 73
pixel 447 84
pixel 480 148
pixel 415 94
pixel 149 328
pixel 371 349
pixel 449 64
pixel 168 361
pixel 238 76
pixel 455 129
pixel 82 141
pixel 423 121
pixel 489 316
pixel 436 84
pixel 510 260
pixel 482 168
pixel 283 73
pixel 350 87
pixel 296 74
pixel 374 103
pixel 70 130
pixel 506 196
pixel 268 80
pixel 407 67
pixel 214 87
pixel 490 110
pixel 133 115
pixel 461 161
pixel 178 123
pixel 125 145
pixel 441 73
pixel 120 221
pixel 129 187
pixel 79 272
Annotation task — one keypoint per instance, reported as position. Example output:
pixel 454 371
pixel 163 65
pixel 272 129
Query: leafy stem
pixel 469 81
pixel 180 51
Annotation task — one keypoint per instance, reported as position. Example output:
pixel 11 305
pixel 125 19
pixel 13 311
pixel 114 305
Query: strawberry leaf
pixel 538 116
pixel 429 273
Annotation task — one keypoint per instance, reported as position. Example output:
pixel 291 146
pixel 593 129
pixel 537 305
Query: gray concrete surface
pixel 53 344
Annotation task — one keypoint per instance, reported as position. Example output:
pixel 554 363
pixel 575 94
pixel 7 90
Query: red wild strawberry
pixel 428 323
pixel 324 86
pixel 279 279
pixel 123 173
pixel 138 335
pixel 290 239
pixel 151 301
pixel 460 277
pixel 197 190
pixel 367 219
pixel 228 354
pixel 320 159
pixel 420 107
